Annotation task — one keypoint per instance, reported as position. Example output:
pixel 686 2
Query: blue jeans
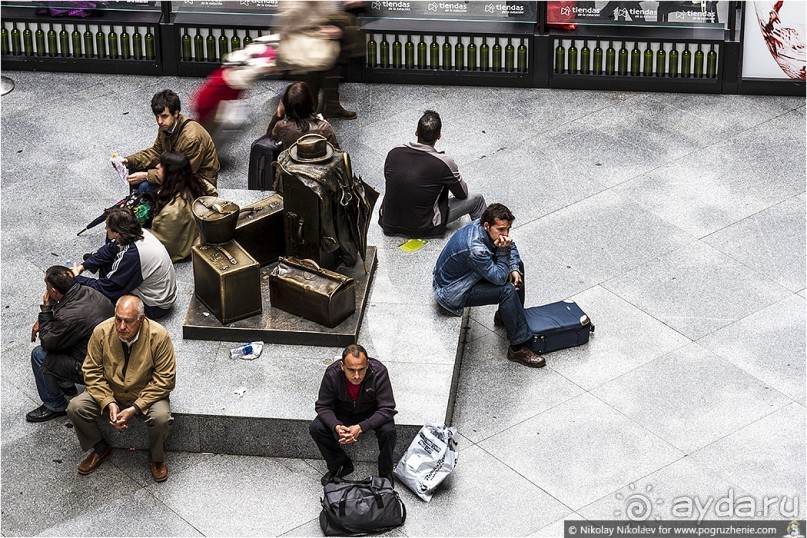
pixel 147 187
pixel 511 307
pixel 47 386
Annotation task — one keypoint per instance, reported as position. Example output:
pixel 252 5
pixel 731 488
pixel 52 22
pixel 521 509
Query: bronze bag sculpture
pixel 303 288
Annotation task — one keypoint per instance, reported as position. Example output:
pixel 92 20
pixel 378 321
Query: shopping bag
pixel 430 458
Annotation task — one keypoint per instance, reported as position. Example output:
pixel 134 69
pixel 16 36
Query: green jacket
pixel 150 374
pixel 192 141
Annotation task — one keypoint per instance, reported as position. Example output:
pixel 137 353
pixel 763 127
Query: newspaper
pixel 120 168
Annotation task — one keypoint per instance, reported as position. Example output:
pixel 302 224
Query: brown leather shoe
pixel 159 470
pixel 93 461
pixel 525 356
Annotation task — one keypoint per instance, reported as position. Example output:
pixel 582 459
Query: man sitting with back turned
pixel 175 133
pixel 130 370
pixel 355 397
pixel 480 265
pixel 418 180
pixel 131 261
pixel 67 317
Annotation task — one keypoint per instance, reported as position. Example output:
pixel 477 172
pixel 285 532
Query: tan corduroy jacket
pixel 193 142
pixel 150 374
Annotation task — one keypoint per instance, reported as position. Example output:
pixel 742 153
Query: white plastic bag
pixel 430 458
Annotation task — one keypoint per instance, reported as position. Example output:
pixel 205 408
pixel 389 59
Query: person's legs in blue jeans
pixel 146 187
pixel 511 308
pixel 50 392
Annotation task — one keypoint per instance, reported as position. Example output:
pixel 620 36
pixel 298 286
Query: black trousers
pixel 335 457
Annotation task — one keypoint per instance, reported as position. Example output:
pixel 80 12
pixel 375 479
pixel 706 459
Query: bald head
pixel 129 315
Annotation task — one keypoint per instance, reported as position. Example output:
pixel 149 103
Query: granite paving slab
pixel 413 286
pixel 520 507
pixel 696 290
pixel 769 344
pixel 597 155
pixel 707 192
pixel 772 242
pixel 16 404
pixel 580 450
pixel 516 392
pixel 624 338
pixel 418 334
pixel 547 278
pixel 604 235
pixel 241 495
pixel 766 459
pixel 557 528
pixel 114 519
pixel 721 398
pixel 39 477
pixel 682 490
pixel 18 373
pixel 537 181
pixel 547 110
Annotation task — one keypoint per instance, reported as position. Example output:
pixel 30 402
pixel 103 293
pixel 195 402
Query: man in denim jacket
pixel 480 265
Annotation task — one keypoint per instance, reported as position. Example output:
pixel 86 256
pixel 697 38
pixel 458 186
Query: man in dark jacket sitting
pixel 355 396
pixel 67 317
pixel 418 181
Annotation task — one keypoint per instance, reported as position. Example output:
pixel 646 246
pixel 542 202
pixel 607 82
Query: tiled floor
pixel 677 222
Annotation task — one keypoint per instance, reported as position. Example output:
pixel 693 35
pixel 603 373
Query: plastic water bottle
pixel 248 351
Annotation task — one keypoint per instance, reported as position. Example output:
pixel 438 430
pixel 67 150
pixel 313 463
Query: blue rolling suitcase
pixel 558 326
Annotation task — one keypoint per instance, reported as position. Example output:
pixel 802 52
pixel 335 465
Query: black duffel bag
pixel 354 507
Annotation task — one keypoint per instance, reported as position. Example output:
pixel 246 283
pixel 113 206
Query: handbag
pixel 354 507
pixel 303 288
pixel 141 204
pixel 305 51
pixel 430 458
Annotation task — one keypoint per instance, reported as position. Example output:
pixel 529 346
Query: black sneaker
pixel 344 470
pixel 497 320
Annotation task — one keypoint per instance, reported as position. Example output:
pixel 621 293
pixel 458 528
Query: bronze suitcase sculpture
pixel 327 208
pixel 227 281
pixel 303 288
pixel 260 229
pixel 303 233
